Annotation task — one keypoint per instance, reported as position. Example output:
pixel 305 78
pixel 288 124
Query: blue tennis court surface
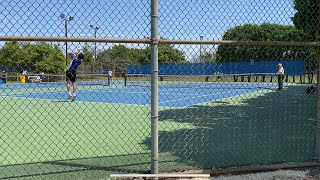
pixel 192 94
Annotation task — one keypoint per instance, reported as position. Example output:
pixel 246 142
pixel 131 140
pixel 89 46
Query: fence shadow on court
pixel 93 167
pixel 268 128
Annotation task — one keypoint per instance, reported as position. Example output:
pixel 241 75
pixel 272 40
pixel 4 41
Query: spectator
pixel 4 77
pixel 110 74
pixel 280 76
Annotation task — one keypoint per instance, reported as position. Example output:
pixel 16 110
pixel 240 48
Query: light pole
pixel 201 38
pixel 95 36
pixel 66 20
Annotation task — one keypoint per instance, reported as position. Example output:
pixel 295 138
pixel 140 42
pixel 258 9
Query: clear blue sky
pixel 178 19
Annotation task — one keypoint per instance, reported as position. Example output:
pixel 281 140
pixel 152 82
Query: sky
pixel 178 19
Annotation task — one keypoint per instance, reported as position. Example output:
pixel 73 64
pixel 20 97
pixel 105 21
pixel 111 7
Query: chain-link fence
pixel 163 86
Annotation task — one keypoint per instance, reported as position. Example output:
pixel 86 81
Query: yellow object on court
pixel 22 79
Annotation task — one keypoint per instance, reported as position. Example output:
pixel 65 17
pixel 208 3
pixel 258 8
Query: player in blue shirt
pixel 71 75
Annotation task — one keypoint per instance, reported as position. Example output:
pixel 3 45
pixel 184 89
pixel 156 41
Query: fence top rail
pixel 70 39
pixel 245 43
pixel 161 41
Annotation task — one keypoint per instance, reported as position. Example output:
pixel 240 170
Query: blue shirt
pixel 75 63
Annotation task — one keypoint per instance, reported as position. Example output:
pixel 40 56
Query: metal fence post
pixel 317 119
pixel 154 87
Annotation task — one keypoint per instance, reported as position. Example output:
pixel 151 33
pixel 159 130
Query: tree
pixel 52 59
pixel 38 57
pixel 307 18
pixel 9 54
pixel 89 65
pixel 115 58
pixel 263 32
pixel 207 57
pixel 88 54
pixel 168 54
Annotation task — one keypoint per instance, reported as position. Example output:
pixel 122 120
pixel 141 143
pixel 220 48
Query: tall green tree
pixel 113 53
pixel 168 54
pixel 89 65
pixel 139 56
pixel 121 53
pixel 9 54
pixel 118 57
pixel 307 17
pixel 38 57
pixel 263 32
pixel 115 58
pixel 88 54
pixel 51 59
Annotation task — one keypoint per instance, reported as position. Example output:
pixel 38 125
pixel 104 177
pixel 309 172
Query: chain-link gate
pixel 216 84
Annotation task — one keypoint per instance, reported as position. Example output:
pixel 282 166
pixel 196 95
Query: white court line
pixel 21 96
pixel 65 100
pixel 149 92
pixel 135 92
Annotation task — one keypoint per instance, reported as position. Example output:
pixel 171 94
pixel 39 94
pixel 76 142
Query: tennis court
pixel 69 139
pixel 170 95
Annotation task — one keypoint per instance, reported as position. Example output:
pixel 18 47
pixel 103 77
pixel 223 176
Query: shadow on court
pixel 274 127
pixel 95 167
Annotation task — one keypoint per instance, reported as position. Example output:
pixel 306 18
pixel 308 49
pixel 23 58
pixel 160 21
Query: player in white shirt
pixel 280 76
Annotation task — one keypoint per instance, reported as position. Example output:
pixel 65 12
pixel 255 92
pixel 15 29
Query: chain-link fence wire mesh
pixel 219 103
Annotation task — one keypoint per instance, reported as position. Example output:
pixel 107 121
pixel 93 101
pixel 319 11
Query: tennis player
pixel 280 76
pixel 71 75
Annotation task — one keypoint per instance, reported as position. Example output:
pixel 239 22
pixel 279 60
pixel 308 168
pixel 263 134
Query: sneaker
pixel 69 96
pixel 73 98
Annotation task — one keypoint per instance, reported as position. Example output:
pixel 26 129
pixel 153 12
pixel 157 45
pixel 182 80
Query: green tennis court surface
pixel 88 139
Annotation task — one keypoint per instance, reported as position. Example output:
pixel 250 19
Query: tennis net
pixel 243 81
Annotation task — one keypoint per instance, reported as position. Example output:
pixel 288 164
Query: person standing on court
pixel 4 77
pixel 280 74
pixel 110 74
pixel 71 75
